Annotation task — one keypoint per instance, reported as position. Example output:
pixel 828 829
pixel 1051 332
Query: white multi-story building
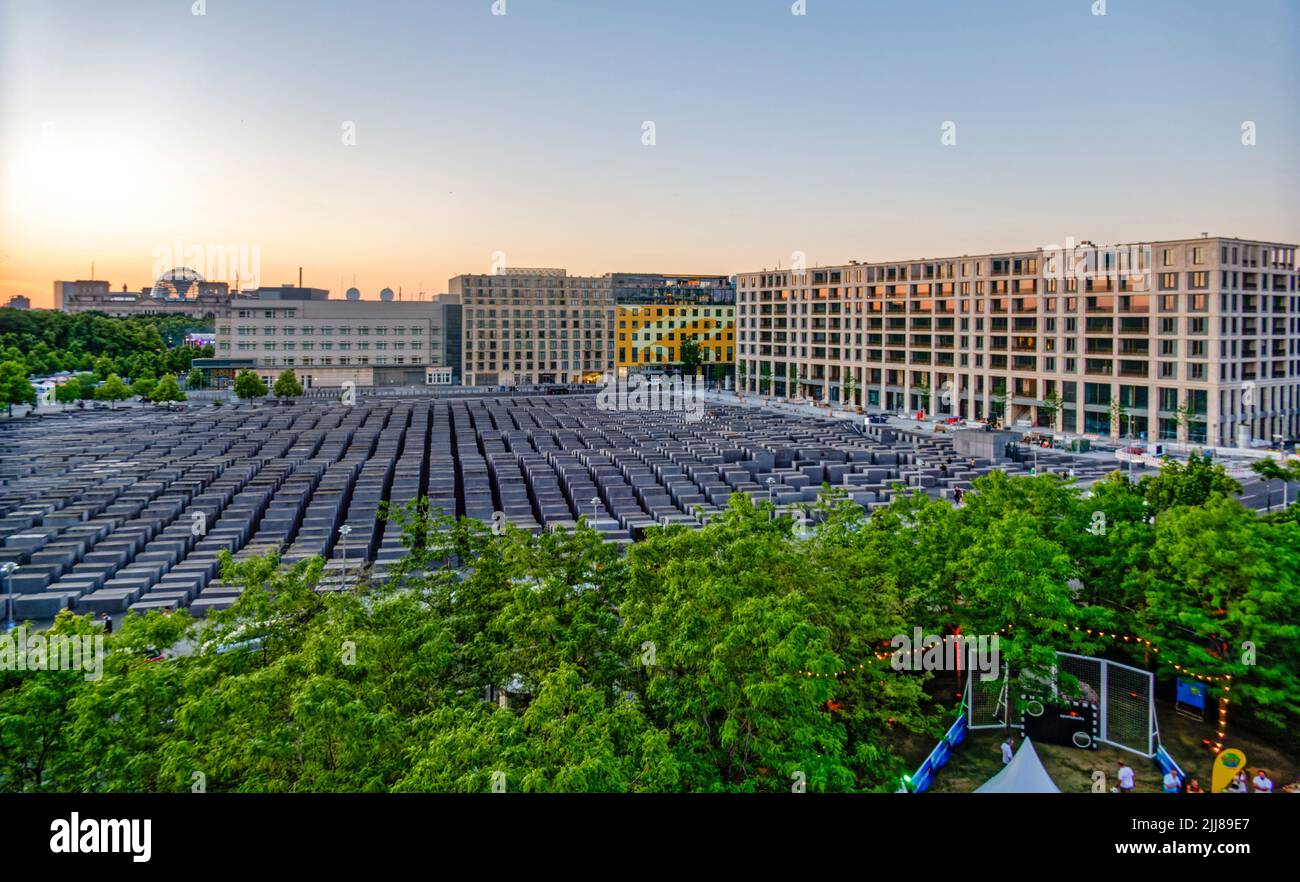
pixel 1195 339
pixel 535 326
pixel 330 342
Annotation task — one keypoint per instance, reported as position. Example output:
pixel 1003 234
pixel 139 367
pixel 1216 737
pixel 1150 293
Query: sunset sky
pixel 126 127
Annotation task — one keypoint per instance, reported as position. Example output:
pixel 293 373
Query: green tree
pixel 690 356
pixel 86 384
pixel 1222 597
pixel 1183 413
pixel 35 735
pixel 743 665
pixel 923 391
pixel 850 389
pixel 168 389
pixel 1287 471
pixel 792 384
pixel 742 372
pixel 287 385
pixel 1051 407
pixel 68 392
pixel 1192 483
pixel 1001 404
pixel 14 385
pixel 112 390
pixel 1117 412
pixel 194 380
pixel 765 379
pixel 144 387
pixel 249 385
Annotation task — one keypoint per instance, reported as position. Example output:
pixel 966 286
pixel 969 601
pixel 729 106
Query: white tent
pixel 1024 774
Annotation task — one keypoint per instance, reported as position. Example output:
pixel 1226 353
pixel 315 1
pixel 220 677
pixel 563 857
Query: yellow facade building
pixel 649 336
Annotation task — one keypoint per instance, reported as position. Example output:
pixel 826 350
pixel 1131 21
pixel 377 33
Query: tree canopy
pixel 249 385
pixel 287 385
pixel 47 341
pixel 738 657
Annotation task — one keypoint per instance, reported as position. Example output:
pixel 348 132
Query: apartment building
pixel 1191 339
pixel 329 342
pixel 525 326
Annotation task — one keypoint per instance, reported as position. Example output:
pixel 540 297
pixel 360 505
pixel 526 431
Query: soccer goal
pixel 1124 698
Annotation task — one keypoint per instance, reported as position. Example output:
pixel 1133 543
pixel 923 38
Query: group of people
pixel 1126 778
pixel 1173 782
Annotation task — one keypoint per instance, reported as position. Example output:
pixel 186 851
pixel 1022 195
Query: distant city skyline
pixel 406 145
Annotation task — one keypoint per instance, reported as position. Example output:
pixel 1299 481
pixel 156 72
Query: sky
pixel 136 134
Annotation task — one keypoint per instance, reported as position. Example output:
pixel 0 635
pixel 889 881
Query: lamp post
pixel 8 568
pixel 595 501
pixel 771 485
pixel 343 532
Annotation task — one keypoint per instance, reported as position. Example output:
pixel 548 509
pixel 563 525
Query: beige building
pixel 330 342
pixel 535 326
pixel 1195 339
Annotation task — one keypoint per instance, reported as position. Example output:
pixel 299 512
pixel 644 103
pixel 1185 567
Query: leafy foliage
pixel 287 385
pixel 47 341
pixel 732 658
pixel 1192 483
pixel 249 385
pixel 112 389
pixel 168 389
pixel 15 388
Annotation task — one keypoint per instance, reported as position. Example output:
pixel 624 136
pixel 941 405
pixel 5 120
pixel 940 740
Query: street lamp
pixel 344 531
pixel 595 501
pixel 8 568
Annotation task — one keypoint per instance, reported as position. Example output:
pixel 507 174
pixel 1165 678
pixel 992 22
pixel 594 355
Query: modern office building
pixel 672 288
pixel 329 342
pixel 656 312
pixel 535 326
pixel 450 318
pixel 649 336
pixel 19 301
pixel 1194 339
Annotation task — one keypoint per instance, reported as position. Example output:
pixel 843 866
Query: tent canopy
pixel 1024 774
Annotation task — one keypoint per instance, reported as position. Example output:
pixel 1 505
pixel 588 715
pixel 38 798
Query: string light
pixel 1127 638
